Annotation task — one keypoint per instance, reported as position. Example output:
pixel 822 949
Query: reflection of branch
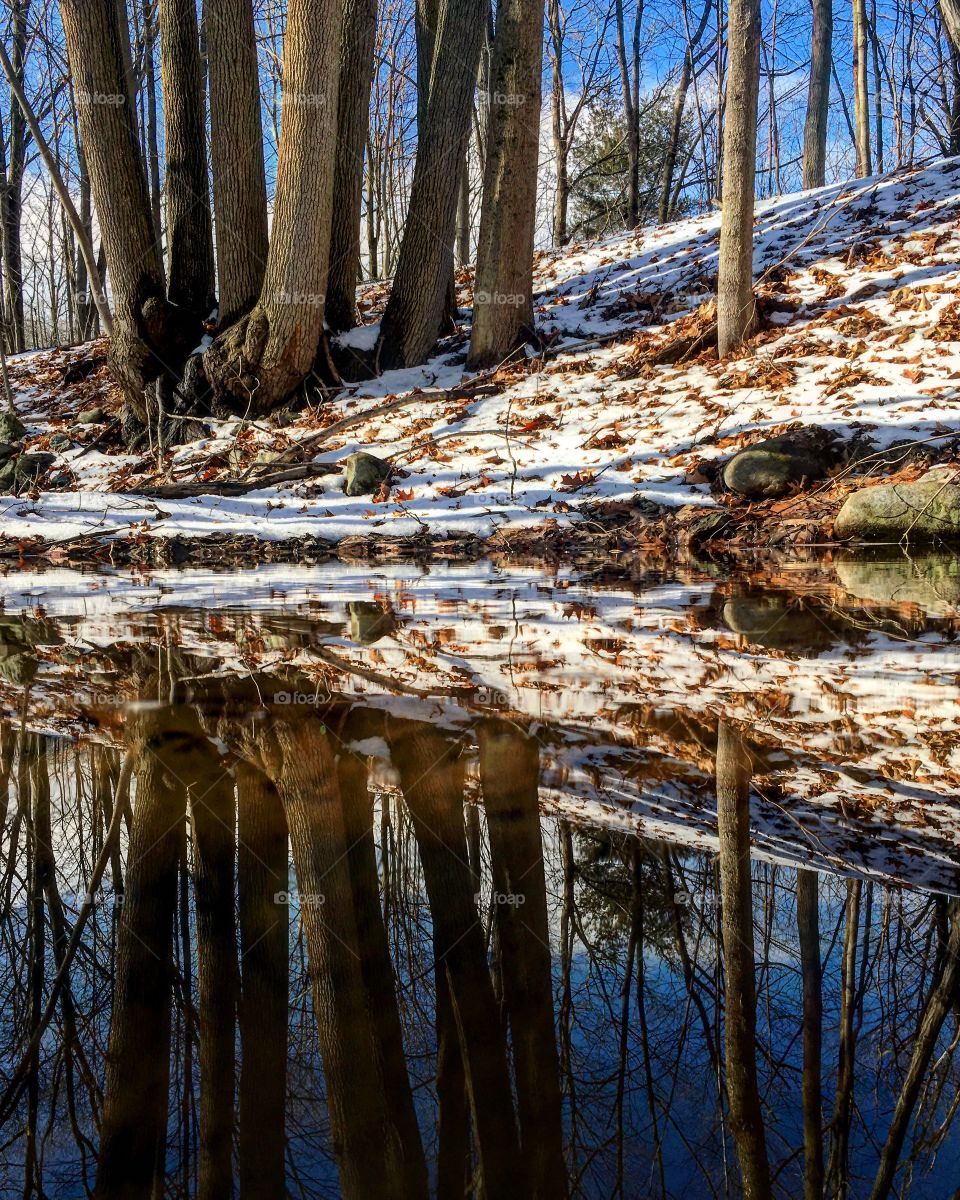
pixel 11 1096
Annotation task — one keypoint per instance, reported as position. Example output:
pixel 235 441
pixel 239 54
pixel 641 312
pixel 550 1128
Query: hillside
pixel 859 289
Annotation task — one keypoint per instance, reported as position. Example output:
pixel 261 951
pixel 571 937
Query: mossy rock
pixel 12 429
pixel 771 468
pixel 925 511
pixel 365 474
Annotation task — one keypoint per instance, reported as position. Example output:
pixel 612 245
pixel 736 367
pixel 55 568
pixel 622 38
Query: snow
pixel 862 346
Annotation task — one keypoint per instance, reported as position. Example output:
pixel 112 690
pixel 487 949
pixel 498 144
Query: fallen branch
pixel 235 487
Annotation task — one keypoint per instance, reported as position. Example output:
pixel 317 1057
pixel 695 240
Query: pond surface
pixel 481 881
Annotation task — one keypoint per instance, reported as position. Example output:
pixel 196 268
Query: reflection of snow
pixel 857 748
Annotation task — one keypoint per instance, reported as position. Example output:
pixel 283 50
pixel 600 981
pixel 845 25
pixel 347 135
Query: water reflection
pixel 565 891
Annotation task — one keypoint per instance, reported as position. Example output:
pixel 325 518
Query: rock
pixel 7 451
pixel 92 416
pixel 930 581
pixel 12 429
pixel 770 468
pixel 365 473
pixel 60 442
pixel 925 511
pixel 31 466
pixel 8 476
pixel 698 526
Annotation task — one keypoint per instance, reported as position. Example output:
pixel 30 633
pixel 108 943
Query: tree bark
pixel 861 87
pixel 236 154
pixel 189 233
pixel 151 337
pixel 818 97
pixel 950 12
pixel 265 357
pixel 353 121
pixel 418 300
pixel 740 1016
pixel 736 308
pixel 503 289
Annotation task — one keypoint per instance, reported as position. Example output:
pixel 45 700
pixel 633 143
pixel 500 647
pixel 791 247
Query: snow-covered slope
pixel 861 288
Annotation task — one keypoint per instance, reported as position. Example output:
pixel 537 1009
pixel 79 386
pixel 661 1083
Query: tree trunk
pixel 12 195
pixel 676 125
pixel 950 12
pixel 818 97
pixel 808 926
pixel 861 86
pixel 418 300
pixel 151 337
pixel 736 308
pixel 265 357
pixel 189 234
pixel 353 120
pixel 236 153
pixel 502 298
pixel 262 872
pixel 740 1017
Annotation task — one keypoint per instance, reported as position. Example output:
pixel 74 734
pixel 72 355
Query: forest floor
pixel 614 434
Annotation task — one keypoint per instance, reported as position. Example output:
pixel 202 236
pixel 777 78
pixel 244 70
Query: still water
pixel 481 882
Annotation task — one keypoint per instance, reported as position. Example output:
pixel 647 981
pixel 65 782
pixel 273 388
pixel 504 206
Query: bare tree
pixel 419 298
pixel 189 235
pixel 818 96
pixel 353 122
pixel 736 308
pixel 151 336
pixel 502 299
pixel 259 362
pixel 861 88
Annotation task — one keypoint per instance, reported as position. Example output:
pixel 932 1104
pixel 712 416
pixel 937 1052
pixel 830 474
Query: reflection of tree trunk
pixel 453 1118
pixel 509 773
pixel 132 1137
pixel 264 931
pixel 376 965
pixel 375 1153
pixel 942 996
pixel 843 1103
pixel 431 777
pixel 213 815
pixel 733 822
pixel 808 926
